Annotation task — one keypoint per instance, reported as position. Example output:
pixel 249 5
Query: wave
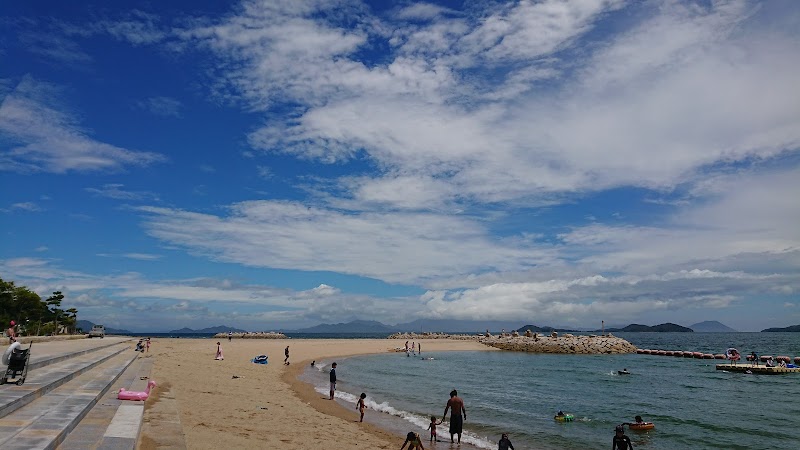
pixel 418 421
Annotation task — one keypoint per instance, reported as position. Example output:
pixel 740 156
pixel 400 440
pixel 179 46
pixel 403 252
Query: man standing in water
pixel 333 379
pixel 456 422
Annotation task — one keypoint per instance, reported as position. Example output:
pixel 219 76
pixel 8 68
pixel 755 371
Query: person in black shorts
pixel 456 421
pixel 620 441
pixel 333 379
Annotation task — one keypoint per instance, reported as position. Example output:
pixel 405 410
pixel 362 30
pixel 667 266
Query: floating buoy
pixel 785 359
pixel 765 358
pixel 708 356
pixel 698 355
pixel 797 360
pixel 719 356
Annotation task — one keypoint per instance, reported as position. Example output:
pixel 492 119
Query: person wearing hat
pixel 620 441
pixel 12 336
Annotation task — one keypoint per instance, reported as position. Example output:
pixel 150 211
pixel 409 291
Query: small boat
pixel 623 372
pixel 642 426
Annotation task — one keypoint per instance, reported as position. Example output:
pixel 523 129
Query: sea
pixel 693 405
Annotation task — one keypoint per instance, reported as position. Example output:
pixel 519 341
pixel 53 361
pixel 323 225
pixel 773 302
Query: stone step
pixel 46 421
pixel 41 380
pixel 46 353
pixel 112 423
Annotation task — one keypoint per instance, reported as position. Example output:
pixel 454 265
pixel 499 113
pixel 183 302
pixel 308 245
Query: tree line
pixel 34 316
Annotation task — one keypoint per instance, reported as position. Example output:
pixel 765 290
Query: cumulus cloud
pixel 655 105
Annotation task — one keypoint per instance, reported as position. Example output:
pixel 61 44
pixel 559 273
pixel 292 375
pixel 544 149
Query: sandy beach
pixel 265 406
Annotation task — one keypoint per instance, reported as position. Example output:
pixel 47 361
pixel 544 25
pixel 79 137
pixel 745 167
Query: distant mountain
pixel 218 329
pixel 711 326
pixel 456 326
pixel 356 326
pixel 663 328
pixel 536 329
pixel 86 326
pixel 793 328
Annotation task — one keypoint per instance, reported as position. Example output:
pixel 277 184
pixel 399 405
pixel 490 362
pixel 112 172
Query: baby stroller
pixel 17 363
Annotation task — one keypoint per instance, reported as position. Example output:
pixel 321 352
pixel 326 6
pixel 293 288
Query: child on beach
pixel 505 443
pixel 219 356
pixel 432 427
pixel 413 439
pixel 12 335
pixel 361 406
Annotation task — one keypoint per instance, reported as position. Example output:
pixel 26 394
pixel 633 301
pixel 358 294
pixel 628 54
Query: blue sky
pixel 280 164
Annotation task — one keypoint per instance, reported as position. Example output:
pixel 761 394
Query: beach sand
pixel 266 406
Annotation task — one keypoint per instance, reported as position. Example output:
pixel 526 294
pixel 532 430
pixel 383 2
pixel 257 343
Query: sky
pixel 279 164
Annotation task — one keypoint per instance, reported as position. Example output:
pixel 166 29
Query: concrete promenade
pixel 68 399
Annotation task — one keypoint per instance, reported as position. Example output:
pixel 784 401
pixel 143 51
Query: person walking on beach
pixel 230 335
pixel 505 443
pixel 620 441
pixel 286 352
pixel 361 406
pixel 219 356
pixel 456 421
pixel 415 441
pixel 147 345
pixel 333 379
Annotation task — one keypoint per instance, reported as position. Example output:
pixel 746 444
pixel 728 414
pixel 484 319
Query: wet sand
pixel 265 406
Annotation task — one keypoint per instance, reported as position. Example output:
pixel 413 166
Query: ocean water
pixel 692 404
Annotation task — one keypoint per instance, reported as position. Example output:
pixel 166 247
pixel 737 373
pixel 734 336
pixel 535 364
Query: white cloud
pixel 394 247
pixel 54 48
pixel 422 11
pixel 162 106
pixel 116 191
pixel 46 139
pixel 652 105
pixel 23 206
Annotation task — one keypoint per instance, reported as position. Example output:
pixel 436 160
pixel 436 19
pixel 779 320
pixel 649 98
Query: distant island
pixel 356 326
pixel 218 329
pixel 85 326
pixel 793 328
pixel 662 328
pixel 536 329
pixel 711 326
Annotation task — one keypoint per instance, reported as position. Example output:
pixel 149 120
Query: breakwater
pixel 537 343
pixel 253 335
pixel 427 335
pixel 567 343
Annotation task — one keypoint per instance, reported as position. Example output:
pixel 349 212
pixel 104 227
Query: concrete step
pixel 46 421
pixel 44 379
pixel 46 353
pixel 112 423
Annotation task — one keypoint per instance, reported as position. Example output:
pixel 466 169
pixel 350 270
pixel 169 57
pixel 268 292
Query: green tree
pixel 54 303
pixel 73 318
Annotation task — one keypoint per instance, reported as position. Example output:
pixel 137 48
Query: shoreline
pixel 233 403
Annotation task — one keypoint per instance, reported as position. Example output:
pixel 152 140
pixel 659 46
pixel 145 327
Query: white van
pixel 98 331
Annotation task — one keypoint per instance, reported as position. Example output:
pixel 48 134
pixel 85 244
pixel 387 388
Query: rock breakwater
pixel 427 335
pixel 561 344
pixel 253 335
